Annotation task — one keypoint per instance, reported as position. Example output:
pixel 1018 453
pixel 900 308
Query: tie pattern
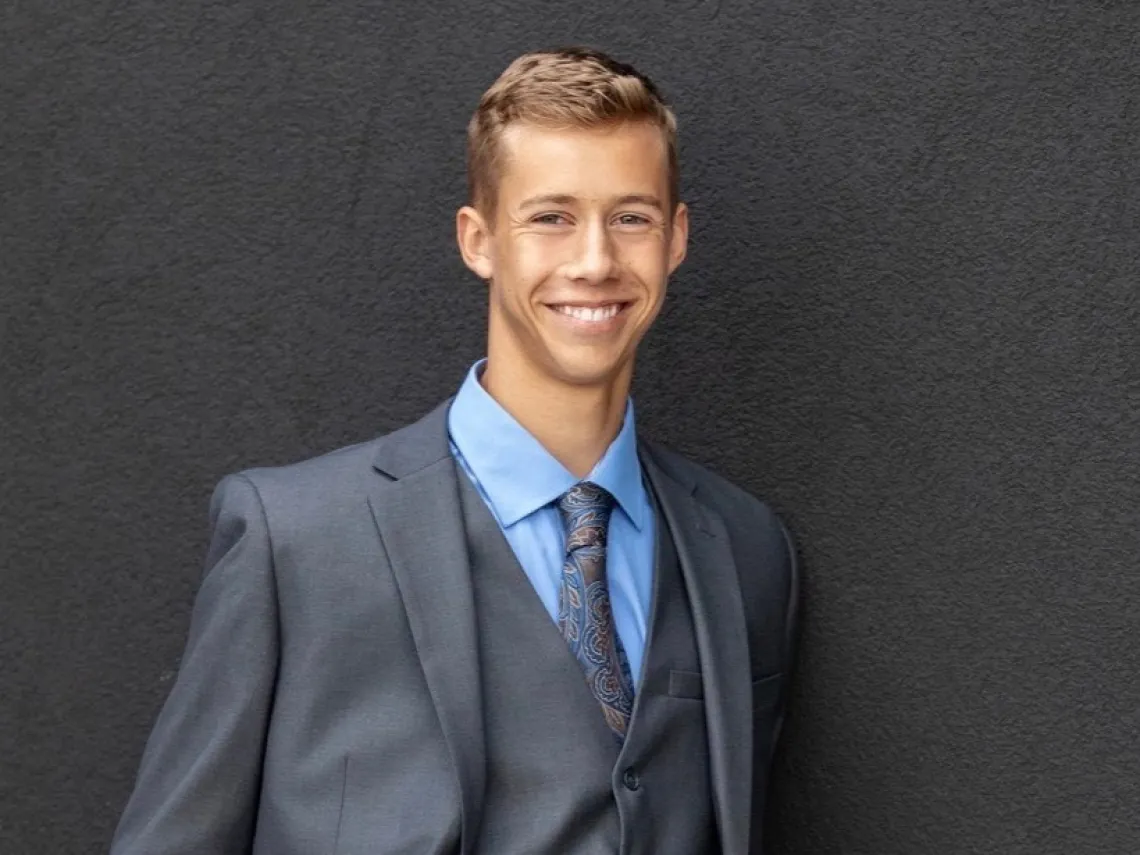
pixel 584 613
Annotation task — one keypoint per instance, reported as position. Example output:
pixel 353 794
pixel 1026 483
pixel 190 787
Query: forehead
pixel 610 160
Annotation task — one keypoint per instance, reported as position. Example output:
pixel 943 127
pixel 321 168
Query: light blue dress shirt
pixel 521 482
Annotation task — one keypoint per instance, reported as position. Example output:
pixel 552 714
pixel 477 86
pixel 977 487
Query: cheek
pixel 646 258
pixel 531 262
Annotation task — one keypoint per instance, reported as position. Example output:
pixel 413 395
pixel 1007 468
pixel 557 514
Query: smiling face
pixel 579 250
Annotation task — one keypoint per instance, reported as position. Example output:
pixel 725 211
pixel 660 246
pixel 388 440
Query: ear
pixel 679 236
pixel 474 238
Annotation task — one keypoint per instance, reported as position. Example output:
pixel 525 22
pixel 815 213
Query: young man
pixel 514 626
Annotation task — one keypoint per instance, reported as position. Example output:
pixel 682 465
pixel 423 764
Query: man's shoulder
pixel 341 465
pixel 350 468
pixel 320 483
pixel 713 488
pixel 760 538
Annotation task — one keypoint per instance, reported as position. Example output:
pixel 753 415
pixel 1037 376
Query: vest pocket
pixel 686 684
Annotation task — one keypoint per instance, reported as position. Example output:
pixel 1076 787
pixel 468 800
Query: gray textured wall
pixel 908 319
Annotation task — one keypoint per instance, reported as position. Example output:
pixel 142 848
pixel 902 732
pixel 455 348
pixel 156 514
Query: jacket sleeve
pixel 198 782
pixel 791 628
pixel 765 814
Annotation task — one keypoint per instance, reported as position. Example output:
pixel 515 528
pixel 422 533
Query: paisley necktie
pixel 584 613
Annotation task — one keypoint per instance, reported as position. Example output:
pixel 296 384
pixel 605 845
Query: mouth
pixel 595 318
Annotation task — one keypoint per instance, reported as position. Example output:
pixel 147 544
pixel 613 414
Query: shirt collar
pixel 518 474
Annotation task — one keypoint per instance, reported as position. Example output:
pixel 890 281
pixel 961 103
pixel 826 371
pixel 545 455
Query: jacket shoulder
pixel 335 466
pixel 750 519
pixel 766 555
pixel 716 489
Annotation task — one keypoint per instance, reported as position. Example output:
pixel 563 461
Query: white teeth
pixel 586 314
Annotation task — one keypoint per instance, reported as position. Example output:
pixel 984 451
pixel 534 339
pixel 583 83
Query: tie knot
pixel 585 510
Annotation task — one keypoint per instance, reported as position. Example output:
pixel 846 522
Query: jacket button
pixel 631 779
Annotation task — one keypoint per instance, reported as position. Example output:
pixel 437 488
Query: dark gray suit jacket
pixel 335 621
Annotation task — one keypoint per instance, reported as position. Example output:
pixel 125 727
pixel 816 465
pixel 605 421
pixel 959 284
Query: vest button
pixel 631 779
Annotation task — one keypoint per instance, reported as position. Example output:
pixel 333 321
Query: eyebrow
pixel 565 199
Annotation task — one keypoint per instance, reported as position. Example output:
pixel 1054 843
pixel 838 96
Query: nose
pixel 595 259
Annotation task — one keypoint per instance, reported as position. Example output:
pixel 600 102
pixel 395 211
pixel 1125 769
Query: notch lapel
pixel 421 527
pixel 711 582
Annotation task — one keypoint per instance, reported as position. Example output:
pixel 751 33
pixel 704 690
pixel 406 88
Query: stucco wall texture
pixel 908 319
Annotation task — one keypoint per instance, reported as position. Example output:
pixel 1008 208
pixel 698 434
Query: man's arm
pixel 198 783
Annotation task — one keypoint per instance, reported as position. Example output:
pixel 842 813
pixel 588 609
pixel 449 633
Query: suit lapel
pixel 420 523
pixel 711 582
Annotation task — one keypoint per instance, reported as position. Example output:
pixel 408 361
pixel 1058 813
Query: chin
pixel 588 372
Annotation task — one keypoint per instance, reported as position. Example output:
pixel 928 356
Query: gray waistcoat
pixel 556 782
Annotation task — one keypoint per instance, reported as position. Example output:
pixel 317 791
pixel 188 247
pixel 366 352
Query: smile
pixel 592 314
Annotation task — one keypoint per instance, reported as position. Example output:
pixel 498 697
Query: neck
pixel 575 423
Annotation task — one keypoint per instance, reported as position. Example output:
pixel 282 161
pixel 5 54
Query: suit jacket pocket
pixel 686 684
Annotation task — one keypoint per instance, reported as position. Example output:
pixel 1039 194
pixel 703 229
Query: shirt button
pixel 631 779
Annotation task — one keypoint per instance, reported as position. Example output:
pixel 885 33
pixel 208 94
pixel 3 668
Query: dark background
pixel 908 319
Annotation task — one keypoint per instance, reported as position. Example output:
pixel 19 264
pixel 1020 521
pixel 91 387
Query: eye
pixel 549 219
pixel 633 220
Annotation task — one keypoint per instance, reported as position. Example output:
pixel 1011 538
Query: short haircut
pixel 575 87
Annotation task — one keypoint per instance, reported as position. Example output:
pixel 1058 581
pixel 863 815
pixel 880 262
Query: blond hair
pixel 573 87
